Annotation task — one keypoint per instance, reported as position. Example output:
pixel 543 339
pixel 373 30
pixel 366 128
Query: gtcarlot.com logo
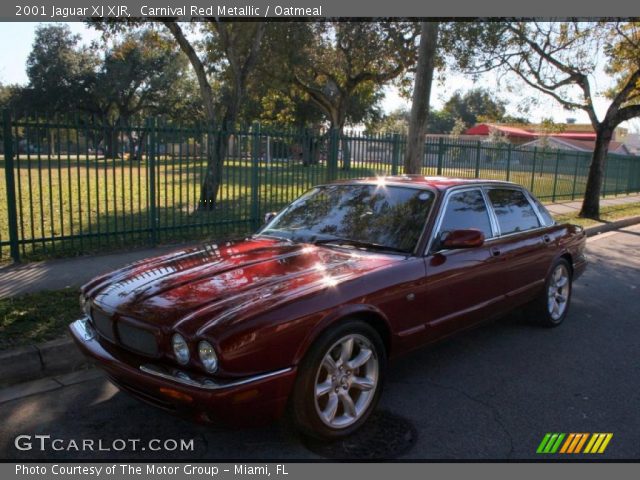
pixel 573 443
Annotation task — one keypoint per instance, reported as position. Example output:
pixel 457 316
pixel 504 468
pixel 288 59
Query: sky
pixel 17 38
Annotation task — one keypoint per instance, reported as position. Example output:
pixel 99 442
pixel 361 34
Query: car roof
pixel 438 183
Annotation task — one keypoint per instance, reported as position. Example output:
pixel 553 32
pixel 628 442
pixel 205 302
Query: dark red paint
pixel 261 302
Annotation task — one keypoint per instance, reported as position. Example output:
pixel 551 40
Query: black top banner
pixel 79 10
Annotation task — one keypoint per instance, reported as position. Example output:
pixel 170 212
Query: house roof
pixel 576 132
pixel 585 145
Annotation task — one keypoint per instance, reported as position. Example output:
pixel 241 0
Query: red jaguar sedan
pixel 304 315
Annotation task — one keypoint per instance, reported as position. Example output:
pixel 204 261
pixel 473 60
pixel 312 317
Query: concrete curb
pixel 38 361
pixel 61 356
pixel 608 227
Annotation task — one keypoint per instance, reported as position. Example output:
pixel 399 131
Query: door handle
pixel 546 238
pixel 495 251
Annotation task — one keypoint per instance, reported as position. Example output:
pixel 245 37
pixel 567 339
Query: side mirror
pixel 269 216
pixel 469 238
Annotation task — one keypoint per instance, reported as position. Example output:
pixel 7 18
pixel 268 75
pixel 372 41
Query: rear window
pixel 513 210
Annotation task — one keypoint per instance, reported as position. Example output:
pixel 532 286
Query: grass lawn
pixel 607 214
pixel 37 317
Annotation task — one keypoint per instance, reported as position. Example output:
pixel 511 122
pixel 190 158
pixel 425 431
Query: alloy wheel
pixel 346 381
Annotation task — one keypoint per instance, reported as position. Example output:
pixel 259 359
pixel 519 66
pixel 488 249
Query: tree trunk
pixel 111 142
pixel 421 96
pixel 591 202
pixel 346 152
pixel 217 144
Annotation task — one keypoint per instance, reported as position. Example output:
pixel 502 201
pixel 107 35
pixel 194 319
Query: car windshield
pixel 366 216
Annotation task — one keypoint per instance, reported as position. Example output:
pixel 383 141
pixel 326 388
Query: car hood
pixel 195 287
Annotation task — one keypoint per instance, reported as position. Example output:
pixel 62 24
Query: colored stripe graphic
pixel 550 443
pixel 598 443
pixel 574 443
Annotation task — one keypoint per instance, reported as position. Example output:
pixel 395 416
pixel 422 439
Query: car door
pixel 464 286
pixel 524 243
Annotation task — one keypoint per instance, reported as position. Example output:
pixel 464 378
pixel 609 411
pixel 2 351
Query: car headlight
pixel 208 356
pixel 180 348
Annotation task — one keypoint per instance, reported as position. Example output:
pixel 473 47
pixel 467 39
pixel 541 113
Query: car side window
pixel 513 210
pixel 466 209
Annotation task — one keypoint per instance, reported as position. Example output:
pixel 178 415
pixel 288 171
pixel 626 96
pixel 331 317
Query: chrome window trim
pixel 443 207
pixel 532 200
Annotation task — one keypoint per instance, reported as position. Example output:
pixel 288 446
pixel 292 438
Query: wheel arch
pixel 364 312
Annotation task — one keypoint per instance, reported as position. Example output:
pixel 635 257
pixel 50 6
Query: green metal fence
pixel 74 184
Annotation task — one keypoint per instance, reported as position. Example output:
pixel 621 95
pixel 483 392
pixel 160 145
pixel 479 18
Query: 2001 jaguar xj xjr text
pixel 306 313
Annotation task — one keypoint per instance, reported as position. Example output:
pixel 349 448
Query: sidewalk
pixel 73 272
pixel 67 272
pixel 564 208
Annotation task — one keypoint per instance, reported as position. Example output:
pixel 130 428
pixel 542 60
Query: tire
pixel 551 307
pixel 331 373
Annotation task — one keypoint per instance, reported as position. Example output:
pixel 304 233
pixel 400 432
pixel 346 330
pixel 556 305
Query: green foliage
pixel 58 69
pixel 476 105
pixel 145 73
pixel 340 67
pixel 623 51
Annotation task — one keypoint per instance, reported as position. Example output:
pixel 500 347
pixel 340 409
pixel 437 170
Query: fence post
pixel 151 176
pixel 255 176
pixel 12 212
pixel 533 167
pixel 477 160
pixel 617 175
pixel 440 155
pixel 509 162
pixel 575 176
pixel 395 155
pixel 332 155
pixel 555 176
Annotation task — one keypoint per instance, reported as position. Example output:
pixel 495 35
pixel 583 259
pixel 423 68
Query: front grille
pixel 137 339
pixel 103 324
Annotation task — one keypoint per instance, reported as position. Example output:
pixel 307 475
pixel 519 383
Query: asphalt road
pixel 491 393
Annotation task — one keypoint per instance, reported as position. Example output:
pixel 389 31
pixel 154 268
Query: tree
pixel 396 121
pixel 57 68
pixel 232 50
pixel 557 59
pixel 143 73
pixel 344 64
pixel 223 60
pixel 421 96
pixel 475 105
pixel 10 96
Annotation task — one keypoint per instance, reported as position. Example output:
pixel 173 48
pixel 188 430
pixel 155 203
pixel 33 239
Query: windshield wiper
pixel 277 237
pixel 358 243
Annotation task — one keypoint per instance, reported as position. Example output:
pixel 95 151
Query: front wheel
pixel 551 307
pixel 339 381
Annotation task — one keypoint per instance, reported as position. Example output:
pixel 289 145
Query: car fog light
pixel 180 348
pixel 85 305
pixel 208 356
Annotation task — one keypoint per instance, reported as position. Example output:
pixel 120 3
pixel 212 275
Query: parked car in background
pixel 306 313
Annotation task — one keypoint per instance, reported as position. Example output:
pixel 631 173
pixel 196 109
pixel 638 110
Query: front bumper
pixel 247 400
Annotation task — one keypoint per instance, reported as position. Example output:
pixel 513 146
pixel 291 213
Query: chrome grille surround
pixel 103 323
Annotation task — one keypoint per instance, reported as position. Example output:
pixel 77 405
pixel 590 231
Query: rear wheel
pixel 339 381
pixel 551 307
